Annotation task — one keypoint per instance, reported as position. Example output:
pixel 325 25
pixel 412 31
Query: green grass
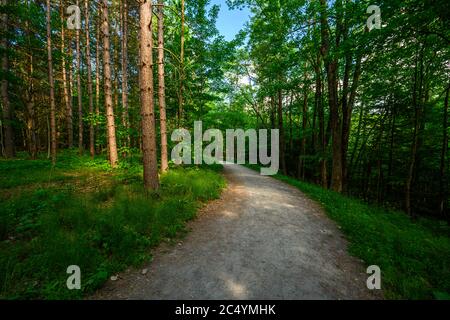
pixel 82 213
pixel 414 257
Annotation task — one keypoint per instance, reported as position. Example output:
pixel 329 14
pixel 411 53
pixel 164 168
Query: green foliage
pixel 88 216
pixel 391 87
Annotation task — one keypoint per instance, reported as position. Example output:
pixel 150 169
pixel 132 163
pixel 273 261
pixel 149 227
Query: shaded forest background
pixel 359 112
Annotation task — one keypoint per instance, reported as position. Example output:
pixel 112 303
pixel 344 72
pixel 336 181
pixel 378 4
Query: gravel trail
pixel 263 239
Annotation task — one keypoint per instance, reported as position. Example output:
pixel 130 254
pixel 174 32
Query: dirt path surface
pixel 263 239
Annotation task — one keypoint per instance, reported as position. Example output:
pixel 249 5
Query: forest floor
pixel 81 212
pixel 263 239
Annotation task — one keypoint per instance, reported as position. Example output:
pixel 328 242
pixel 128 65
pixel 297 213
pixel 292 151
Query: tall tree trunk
pixel 291 129
pixel 7 112
pixel 314 128
pixel 125 70
pixel 116 47
pixel 443 183
pixel 2 146
pixel 391 147
pixel 412 164
pixel 281 128
pixel 71 80
pixel 181 71
pixel 49 139
pixel 272 112
pixel 111 127
pixel 151 180
pixel 331 65
pixel 79 93
pixel 347 110
pixel 89 81
pixel 417 98
pixel 31 118
pixel 52 89
pixel 97 75
pixel 67 101
pixel 358 138
pixel 380 163
pixel 162 88
pixel 31 122
pixel 321 116
pixel 301 168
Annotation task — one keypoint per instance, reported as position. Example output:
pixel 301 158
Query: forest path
pixel 263 239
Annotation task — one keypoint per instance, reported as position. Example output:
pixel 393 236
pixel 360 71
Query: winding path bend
pixel 263 239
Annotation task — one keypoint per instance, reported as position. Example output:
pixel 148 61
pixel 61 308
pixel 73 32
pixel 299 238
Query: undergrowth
pixel 80 212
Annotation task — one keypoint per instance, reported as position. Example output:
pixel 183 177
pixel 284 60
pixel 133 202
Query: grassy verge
pixel 82 213
pixel 414 257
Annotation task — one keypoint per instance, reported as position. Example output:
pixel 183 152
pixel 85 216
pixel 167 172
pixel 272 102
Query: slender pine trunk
pixel 111 127
pixel 181 71
pixel 151 179
pixel 52 124
pixel 97 75
pixel 31 118
pixel 331 66
pixel 125 115
pixel 443 183
pixel 162 88
pixel 7 112
pixel 79 93
pixel 89 80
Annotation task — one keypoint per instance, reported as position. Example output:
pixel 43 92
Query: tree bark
pixel 97 74
pixel 291 129
pixel 281 128
pixel 71 81
pixel 31 118
pixel 89 81
pixel 415 141
pixel 115 50
pixel 391 147
pixel 67 101
pixel 380 175
pixel 151 179
pixel 443 183
pixel 52 89
pixel 79 93
pixel 346 113
pixel 272 113
pixel 7 112
pixel 111 127
pixel 412 165
pixel 356 143
pixel 31 121
pixel 347 110
pixel 125 117
pixel 181 71
pixel 331 66
pixel 301 168
pixel 162 88
pixel 321 116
